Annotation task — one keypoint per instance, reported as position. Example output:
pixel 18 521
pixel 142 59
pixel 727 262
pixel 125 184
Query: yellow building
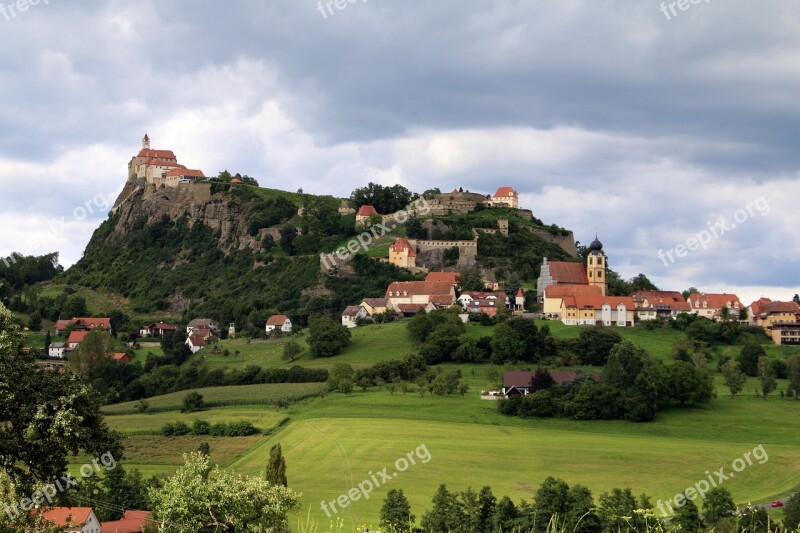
pixel 596 266
pixel 402 254
pixel 780 320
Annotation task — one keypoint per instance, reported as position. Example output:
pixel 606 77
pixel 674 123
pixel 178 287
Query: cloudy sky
pixel 647 123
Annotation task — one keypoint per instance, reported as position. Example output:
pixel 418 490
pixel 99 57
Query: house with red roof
pixel 443 277
pixel 196 343
pixel 351 315
pixel 780 320
pixel 364 213
pixel 410 297
pixel 120 357
pixel 505 197
pixel 711 305
pixel 518 383
pixel 519 300
pixel 131 522
pixel 402 254
pixel 554 294
pixel 659 304
pixel 73 519
pixel 75 338
pixel 280 323
pixel 597 310
pixel 157 329
pixel 84 324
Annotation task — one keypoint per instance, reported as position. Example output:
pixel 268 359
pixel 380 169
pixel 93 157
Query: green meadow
pixel 333 441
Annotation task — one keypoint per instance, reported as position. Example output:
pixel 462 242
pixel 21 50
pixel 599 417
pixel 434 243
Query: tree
pixel 276 467
pixel 766 376
pixel 38 409
pixel 486 509
pixel 796 299
pixel 595 344
pixel 718 505
pixel 35 321
pixel 192 402
pixel 90 358
pixel 505 515
pixel 199 498
pixel 748 358
pixel 385 199
pixel 617 511
pixel 340 375
pixel 291 350
pixel 446 511
pixel 204 449
pixel 791 512
pixel 326 337
pixel 688 517
pixel 463 388
pixel 793 374
pixel 471 279
pixel 396 514
pixel 288 234
pixel 551 502
pixel 734 377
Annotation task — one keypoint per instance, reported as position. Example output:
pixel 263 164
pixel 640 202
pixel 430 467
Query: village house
pixel 554 294
pixel 402 254
pixel 195 343
pixel 351 315
pixel 411 297
pixel 56 350
pixel 204 323
pixel 443 277
pixel 157 329
pixel 710 306
pixel 281 323
pixel 519 300
pixel 779 320
pixel 120 357
pixel 597 310
pixel 376 306
pixel 75 338
pixel 651 305
pixel 84 324
pixel 518 383
pixel 131 522
pixel 73 519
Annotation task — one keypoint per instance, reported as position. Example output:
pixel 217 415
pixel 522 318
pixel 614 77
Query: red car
pixel 777 503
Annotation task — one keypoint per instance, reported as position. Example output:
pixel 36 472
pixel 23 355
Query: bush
pixel 201 427
pixel 193 402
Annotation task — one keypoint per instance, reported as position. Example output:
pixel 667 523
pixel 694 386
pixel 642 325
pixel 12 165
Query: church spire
pixel 145 142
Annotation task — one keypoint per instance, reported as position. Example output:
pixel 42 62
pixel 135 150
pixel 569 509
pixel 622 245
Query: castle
pixel 160 167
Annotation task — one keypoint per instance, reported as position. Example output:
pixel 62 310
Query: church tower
pixel 596 265
pixel 145 142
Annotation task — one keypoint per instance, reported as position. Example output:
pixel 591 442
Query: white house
pixel 203 323
pixel 196 343
pixel 80 519
pixel 351 315
pixel 56 349
pixel 279 322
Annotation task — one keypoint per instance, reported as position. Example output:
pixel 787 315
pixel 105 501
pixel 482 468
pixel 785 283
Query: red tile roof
pixel 93 322
pixel 76 336
pixel 121 357
pixel 277 320
pixel 131 522
pixel 187 172
pixel 667 297
pixel 715 301
pixel 566 272
pixel 780 307
pixel 560 291
pixel 402 245
pixel 236 180
pixel 758 304
pixel 442 299
pixel 61 515
pixel 411 308
pixel 197 341
pixel 500 295
pixel 158 154
pixel 351 310
pixel 366 211
pixel 505 192
pixel 417 288
pixel 443 277
pixel 520 293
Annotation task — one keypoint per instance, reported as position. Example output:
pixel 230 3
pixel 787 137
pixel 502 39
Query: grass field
pixel 144 424
pixel 264 394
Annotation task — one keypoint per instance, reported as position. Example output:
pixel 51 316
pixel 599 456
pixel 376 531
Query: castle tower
pixel 232 331
pixel 502 224
pixel 145 142
pixel 596 265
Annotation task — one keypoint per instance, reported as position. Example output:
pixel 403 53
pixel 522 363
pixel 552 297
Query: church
pixel 578 294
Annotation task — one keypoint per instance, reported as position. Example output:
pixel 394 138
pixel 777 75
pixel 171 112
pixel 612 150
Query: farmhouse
pixel 75 338
pixel 196 343
pixel 278 322
pixel 131 522
pixel 351 314
pixel 73 519
pixel 376 306
pixel 84 324
pixel 414 296
pixel 518 383
pixel 157 329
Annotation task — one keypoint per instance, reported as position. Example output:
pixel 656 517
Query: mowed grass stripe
pixel 326 457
